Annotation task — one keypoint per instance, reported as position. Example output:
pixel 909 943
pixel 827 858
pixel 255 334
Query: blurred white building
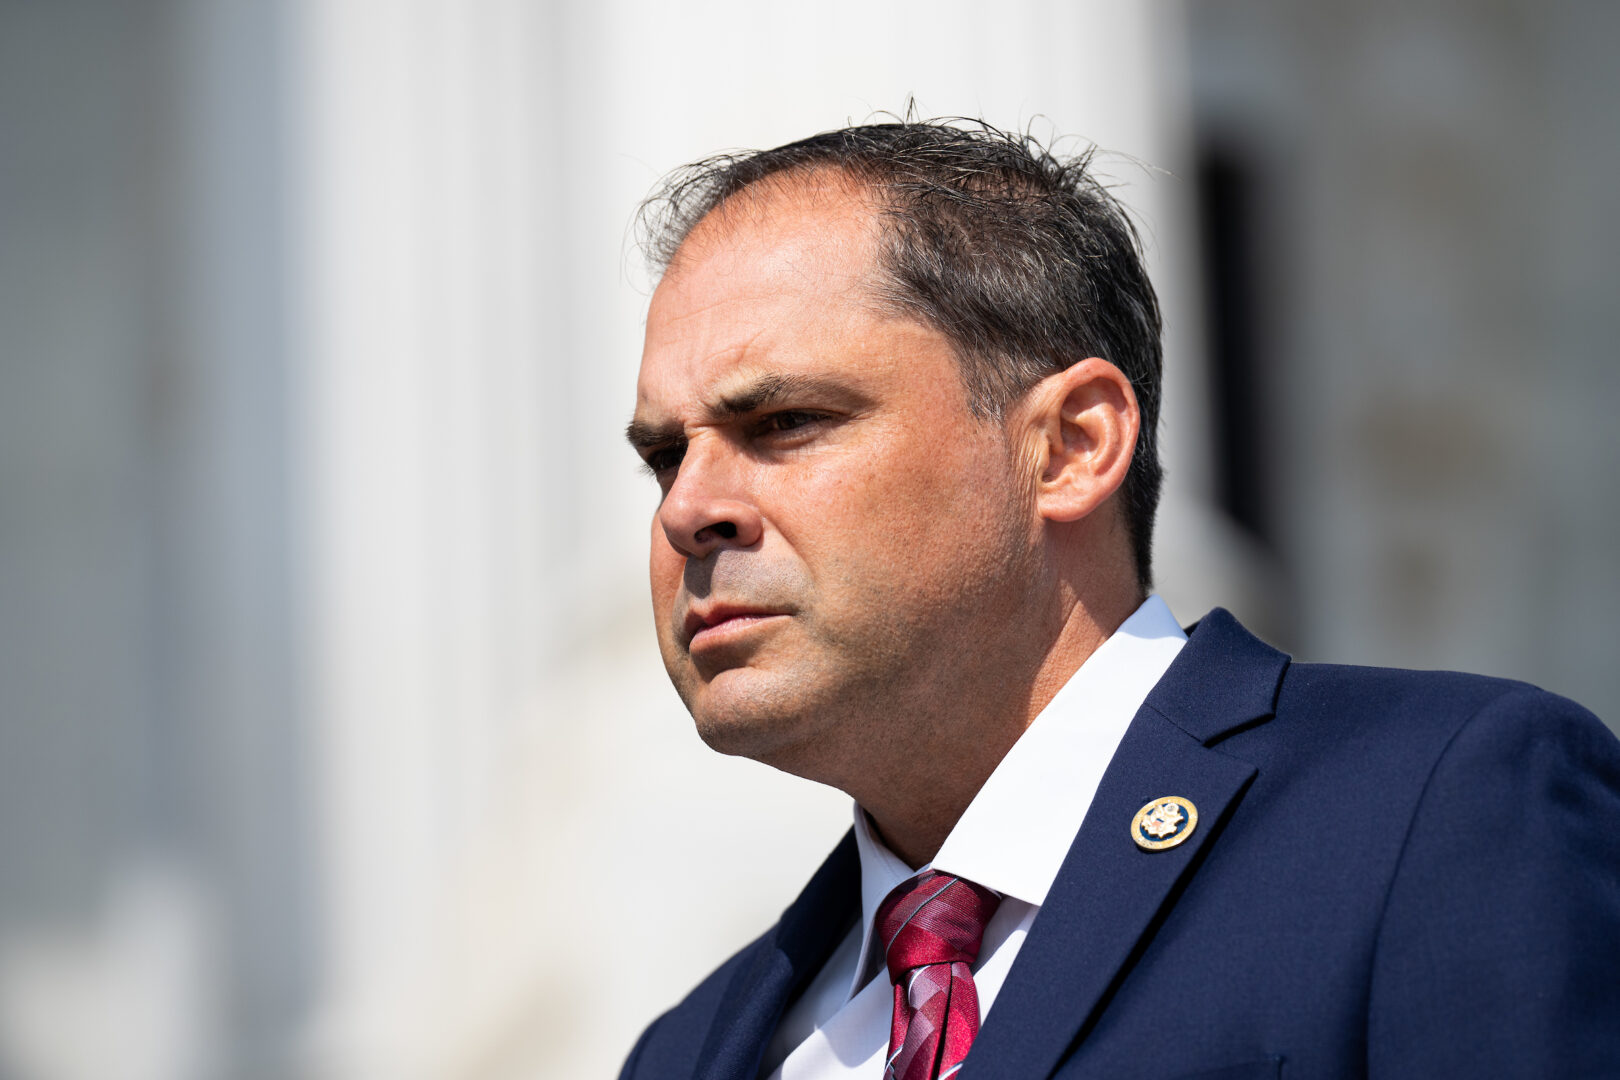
pixel 333 738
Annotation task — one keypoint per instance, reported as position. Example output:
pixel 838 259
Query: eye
pixel 789 420
pixel 663 460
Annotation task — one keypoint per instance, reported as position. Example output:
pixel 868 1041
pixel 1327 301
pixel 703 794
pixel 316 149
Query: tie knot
pixel 933 918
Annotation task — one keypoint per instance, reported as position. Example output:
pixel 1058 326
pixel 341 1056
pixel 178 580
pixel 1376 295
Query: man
pixel 899 393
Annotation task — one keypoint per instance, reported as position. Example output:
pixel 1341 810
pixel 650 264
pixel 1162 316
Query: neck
pixel 916 796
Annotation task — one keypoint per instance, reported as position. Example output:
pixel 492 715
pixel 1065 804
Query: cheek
pixel 918 523
pixel 664 568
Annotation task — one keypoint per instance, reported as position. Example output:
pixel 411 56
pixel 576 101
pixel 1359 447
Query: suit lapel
pixel 1110 895
pixel 780 965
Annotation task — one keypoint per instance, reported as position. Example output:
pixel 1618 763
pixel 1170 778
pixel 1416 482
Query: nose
pixel 706 508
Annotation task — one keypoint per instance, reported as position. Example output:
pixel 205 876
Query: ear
pixel 1083 423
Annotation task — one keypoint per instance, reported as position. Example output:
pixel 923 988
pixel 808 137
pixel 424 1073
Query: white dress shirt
pixel 1012 838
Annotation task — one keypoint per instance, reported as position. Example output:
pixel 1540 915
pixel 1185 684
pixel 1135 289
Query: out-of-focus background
pixel 333 738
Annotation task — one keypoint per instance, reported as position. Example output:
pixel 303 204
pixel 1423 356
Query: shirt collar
pixel 1016 832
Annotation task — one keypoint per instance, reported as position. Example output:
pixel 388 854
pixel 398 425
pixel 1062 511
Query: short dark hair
pixel 1020 257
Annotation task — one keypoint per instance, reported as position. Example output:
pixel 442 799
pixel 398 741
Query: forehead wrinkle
pixel 646 430
pixel 731 356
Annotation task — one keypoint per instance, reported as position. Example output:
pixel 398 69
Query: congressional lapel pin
pixel 1164 823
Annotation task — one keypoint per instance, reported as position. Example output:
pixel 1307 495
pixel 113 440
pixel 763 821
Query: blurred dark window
pixel 1229 205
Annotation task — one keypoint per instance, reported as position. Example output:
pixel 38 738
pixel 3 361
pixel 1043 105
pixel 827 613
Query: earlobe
pixel 1089 416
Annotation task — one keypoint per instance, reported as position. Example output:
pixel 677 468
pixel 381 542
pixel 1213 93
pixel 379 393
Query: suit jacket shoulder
pixel 1407 874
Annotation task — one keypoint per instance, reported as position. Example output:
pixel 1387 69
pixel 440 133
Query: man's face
pixel 836 532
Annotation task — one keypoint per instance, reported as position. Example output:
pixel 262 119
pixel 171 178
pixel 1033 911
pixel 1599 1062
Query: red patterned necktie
pixel 931 927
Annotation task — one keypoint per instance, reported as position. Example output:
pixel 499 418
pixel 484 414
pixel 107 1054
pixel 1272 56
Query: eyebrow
pixel 645 436
pixel 761 392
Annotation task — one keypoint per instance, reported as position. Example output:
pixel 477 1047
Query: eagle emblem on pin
pixel 1164 823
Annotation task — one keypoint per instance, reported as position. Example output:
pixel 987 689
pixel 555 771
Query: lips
pixel 712 622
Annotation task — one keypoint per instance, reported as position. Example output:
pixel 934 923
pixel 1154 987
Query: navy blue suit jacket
pixel 1394 874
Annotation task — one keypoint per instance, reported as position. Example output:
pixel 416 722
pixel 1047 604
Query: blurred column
pixel 438 523
pixel 153 864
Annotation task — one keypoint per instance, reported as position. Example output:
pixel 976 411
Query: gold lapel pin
pixel 1164 823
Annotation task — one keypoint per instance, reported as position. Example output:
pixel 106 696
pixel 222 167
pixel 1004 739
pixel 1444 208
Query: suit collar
pixel 1110 896
pixel 780 965
pixel 1223 681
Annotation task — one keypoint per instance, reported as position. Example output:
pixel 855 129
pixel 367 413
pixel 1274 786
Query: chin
pixel 767 740
pixel 746 717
